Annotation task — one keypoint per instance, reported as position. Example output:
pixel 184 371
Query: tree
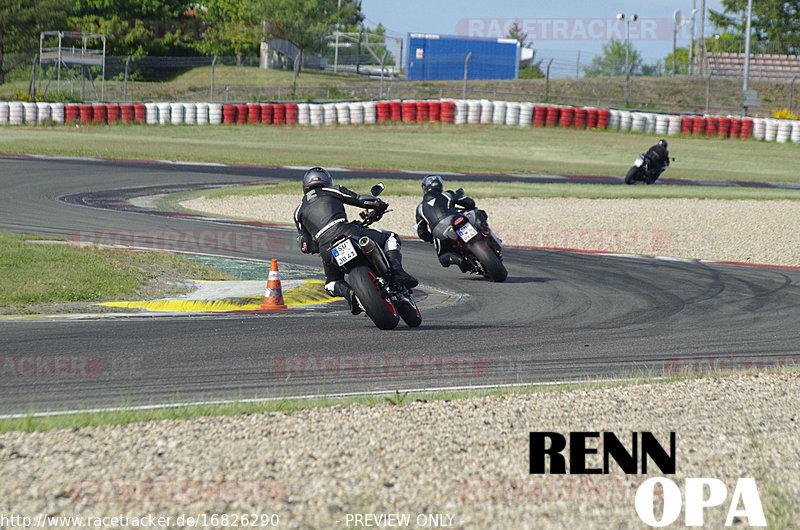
pixel 529 68
pixel 681 62
pixel 22 22
pixel 305 23
pixel 229 29
pixel 134 27
pixel 612 61
pixel 772 20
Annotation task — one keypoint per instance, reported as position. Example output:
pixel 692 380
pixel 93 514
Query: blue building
pixel 442 57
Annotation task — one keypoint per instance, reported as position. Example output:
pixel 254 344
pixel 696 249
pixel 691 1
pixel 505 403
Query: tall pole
pixel 747 52
pixel 674 49
pixel 634 18
pixel 702 48
pixel 627 68
pixel 336 48
pixel 691 44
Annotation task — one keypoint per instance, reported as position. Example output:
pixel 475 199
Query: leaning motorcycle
pixel 472 238
pixel 368 273
pixel 644 170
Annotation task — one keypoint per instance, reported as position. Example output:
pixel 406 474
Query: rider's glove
pixel 468 203
pixel 306 247
pixel 381 206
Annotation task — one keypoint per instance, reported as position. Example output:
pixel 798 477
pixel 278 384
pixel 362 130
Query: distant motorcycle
pixel 474 240
pixel 644 170
pixel 365 264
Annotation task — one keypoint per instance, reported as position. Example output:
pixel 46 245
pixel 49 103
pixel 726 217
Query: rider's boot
pixel 342 289
pixel 451 258
pixel 396 264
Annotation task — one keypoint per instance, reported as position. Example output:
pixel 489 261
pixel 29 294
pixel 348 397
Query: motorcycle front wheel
pixel 493 268
pixel 409 313
pixel 375 304
pixel 631 176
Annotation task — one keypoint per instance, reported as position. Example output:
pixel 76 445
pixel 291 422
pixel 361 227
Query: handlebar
pixel 371 216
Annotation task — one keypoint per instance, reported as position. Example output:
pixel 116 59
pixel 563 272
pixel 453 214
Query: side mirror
pixel 377 189
pixel 461 191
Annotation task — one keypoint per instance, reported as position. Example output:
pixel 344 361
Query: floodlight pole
pixel 621 16
pixel 746 73
pixel 336 48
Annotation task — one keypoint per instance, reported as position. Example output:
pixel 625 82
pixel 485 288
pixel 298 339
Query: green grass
pixel 481 190
pixel 423 147
pixel 778 503
pixel 125 415
pixel 33 422
pixel 50 273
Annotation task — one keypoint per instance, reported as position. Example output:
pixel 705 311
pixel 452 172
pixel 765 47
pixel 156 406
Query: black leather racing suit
pixel 658 156
pixel 434 216
pixel 321 220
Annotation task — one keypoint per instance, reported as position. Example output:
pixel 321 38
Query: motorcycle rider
pixel 658 156
pixel 435 215
pixel 321 220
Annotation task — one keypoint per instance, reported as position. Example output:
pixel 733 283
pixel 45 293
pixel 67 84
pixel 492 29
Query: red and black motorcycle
pixel 472 238
pixel 367 270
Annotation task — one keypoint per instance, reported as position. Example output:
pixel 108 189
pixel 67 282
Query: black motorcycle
pixel 644 170
pixel 476 243
pixel 368 274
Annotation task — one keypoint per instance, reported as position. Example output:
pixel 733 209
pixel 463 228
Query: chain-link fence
pixel 204 79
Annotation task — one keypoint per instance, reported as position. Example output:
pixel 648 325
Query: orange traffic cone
pixel 273 298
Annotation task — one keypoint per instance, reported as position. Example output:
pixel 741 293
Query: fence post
pixel 32 84
pixel 213 64
pixel 547 81
pixel 125 86
pixel 466 65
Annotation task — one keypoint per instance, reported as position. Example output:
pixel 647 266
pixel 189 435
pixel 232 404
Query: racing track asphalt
pixel 559 316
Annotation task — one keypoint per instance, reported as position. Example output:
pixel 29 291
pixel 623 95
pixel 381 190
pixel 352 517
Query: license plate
pixel 467 232
pixel 344 252
pixel 638 162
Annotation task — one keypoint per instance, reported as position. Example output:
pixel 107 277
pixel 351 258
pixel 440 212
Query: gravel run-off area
pixel 461 463
pixel 466 459
pixel 749 231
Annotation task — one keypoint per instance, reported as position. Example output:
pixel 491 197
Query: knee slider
pixel 393 243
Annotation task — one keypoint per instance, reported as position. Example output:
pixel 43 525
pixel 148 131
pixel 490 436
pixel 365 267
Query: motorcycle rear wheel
pixel 378 308
pixel 632 174
pixel 493 268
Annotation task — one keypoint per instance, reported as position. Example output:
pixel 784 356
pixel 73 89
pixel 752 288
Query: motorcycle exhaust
pixel 374 255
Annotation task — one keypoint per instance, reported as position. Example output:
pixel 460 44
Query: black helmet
pixel 432 182
pixel 316 176
pixel 662 143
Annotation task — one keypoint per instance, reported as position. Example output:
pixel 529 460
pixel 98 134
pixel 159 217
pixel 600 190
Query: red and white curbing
pixel 458 112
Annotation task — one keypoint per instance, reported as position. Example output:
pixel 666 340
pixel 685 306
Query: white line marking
pixel 316 396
